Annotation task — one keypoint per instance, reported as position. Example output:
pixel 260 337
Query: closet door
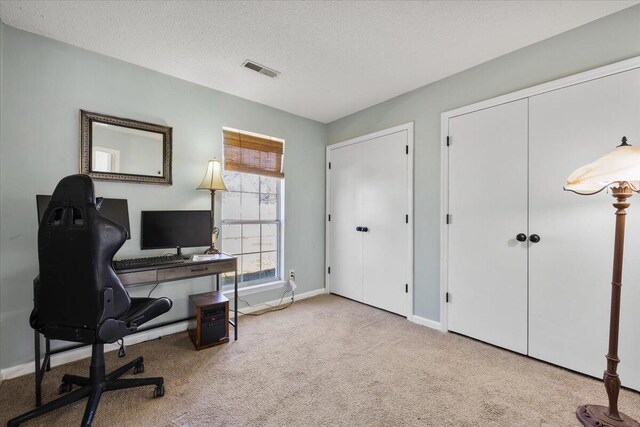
pixel 384 191
pixel 570 268
pixel 488 203
pixel 346 199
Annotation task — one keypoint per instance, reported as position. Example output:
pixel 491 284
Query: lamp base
pixel 212 250
pixel 596 416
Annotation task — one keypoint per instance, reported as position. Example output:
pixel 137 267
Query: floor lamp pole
pixel 596 415
pixel 214 230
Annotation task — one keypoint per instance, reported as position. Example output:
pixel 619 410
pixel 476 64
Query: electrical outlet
pixel 292 274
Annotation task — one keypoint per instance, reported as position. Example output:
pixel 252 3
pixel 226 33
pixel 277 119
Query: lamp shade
pixel 622 165
pixel 213 178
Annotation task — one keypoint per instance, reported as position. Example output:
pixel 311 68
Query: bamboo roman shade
pixel 252 154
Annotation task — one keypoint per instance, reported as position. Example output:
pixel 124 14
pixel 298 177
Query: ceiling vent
pixel 260 69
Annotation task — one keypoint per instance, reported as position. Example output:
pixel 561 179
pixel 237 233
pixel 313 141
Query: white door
pixel 488 207
pixel 346 201
pixel 369 182
pixel 385 249
pixel 570 268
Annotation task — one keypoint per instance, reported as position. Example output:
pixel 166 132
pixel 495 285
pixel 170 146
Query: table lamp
pixel 213 181
pixel 619 170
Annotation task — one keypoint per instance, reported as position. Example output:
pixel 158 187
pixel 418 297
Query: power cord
pixel 152 289
pixel 271 308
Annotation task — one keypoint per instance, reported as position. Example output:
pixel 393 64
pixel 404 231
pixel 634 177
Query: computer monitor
pixel 173 229
pixel 117 210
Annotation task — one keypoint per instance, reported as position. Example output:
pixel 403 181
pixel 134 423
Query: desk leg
pixel 36 335
pixel 235 303
pixel 47 350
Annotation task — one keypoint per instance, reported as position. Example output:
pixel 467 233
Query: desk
pixel 222 263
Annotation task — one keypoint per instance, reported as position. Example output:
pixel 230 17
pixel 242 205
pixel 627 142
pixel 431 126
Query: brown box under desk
pixel 210 319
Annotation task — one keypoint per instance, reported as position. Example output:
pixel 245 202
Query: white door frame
pixel 596 73
pixel 409 128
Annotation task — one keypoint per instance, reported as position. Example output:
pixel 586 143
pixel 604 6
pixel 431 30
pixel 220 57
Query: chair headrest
pixel 74 190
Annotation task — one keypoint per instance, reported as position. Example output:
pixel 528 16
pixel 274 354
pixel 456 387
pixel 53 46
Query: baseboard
pixel 426 322
pixel 84 352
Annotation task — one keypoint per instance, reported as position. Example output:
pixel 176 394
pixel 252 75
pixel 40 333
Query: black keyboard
pixel 123 264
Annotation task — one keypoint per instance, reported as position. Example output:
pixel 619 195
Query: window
pixel 251 219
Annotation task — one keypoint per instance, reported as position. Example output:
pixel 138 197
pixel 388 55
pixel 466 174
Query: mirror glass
pixel 124 150
pixel 117 149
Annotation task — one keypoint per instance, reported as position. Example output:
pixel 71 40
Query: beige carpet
pixel 330 361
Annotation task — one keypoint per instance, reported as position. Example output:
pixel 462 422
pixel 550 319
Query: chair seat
pixel 140 311
pixel 144 309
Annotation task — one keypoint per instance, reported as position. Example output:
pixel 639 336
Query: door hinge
pixel 329 217
pixel 407 149
pixel 328 270
pixel 329 165
pixel 448 141
pixel 447 297
pixel 448 219
pixel 406 218
pixel 406 288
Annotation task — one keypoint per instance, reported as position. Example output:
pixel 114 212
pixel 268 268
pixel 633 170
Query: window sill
pixel 253 289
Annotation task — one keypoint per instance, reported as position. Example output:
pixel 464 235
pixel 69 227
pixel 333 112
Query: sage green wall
pixel 610 39
pixel 45 84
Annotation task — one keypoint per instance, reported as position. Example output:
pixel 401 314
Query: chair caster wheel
pixel 64 388
pixel 158 391
pixel 138 369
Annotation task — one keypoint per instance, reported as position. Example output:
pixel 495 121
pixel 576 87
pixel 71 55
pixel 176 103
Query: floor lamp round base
pixel 596 416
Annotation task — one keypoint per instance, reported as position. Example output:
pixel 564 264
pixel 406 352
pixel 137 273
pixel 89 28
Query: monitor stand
pixel 180 254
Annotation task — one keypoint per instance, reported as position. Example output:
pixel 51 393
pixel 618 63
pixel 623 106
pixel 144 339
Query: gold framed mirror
pixel 117 149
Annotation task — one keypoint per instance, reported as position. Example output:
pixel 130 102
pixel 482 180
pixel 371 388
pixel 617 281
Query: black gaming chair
pixel 80 298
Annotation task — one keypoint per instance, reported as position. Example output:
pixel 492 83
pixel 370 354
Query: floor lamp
pixel 619 170
pixel 213 181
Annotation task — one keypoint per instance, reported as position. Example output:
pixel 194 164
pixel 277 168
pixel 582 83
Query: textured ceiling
pixel 336 58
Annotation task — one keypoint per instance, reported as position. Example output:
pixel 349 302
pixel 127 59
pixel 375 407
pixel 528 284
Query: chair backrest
pixel 76 246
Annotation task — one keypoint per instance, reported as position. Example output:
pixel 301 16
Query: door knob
pixel 521 237
pixel 364 229
pixel 534 238
pixel 358 228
